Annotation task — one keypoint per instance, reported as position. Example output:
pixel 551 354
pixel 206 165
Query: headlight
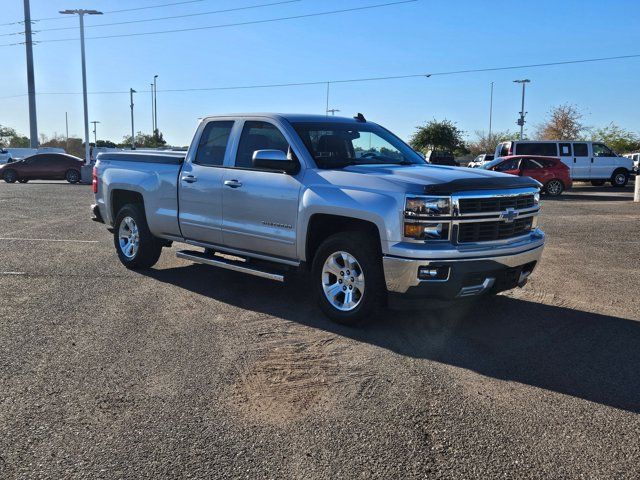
pixel 427 207
pixel 536 198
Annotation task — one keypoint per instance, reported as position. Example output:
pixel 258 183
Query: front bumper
pixel 466 276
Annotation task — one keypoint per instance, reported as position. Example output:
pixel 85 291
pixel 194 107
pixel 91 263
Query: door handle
pixel 232 183
pixel 189 179
pixel 575 159
pixel 591 159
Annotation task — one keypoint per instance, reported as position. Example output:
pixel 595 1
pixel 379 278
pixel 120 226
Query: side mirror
pixel 275 160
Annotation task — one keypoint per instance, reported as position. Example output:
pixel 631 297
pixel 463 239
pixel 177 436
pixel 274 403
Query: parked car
pixel 551 172
pixel 588 161
pixel 43 166
pixel 5 156
pixel 289 192
pixel 480 160
pixel 441 157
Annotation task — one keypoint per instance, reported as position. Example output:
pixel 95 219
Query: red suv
pixel 554 175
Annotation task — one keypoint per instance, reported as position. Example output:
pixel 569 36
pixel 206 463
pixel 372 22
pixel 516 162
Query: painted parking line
pixel 46 240
pixel 12 273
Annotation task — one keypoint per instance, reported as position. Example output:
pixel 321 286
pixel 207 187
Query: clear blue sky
pixel 420 37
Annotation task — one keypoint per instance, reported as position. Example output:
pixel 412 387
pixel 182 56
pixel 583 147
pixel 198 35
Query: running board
pixel 236 266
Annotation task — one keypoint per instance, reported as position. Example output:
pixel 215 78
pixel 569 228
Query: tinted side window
pixel 533 163
pixel 580 150
pixel 504 149
pixel 213 143
pixel 600 150
pixel 258 136
pixel 565 149
pixel 543 149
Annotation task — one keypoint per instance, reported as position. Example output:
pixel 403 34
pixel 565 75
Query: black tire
pixel 367 253
pixel 148 248
pixel 554 187
pixel 23 180
pixel 72 176
pixel 620 178
pixel 597 183
pixel 10 176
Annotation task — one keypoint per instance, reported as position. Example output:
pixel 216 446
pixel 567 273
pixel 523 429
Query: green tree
pixel 621 140
pixel 564 122
pixel 438 135
pixel 106 143
pixel 144 140
pixel 10 138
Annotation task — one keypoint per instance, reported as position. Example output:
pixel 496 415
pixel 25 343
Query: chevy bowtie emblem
pixel 509 215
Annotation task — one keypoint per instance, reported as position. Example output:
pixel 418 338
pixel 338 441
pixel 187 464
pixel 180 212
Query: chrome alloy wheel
pixel 343 281
pixel 554 187
pixel 129 237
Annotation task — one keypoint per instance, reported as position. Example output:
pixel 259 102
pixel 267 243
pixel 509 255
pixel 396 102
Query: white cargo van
pixel 588 161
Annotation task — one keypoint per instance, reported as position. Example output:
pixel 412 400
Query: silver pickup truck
pixel 266 194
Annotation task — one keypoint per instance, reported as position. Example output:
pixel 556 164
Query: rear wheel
pixel 597 183
pixel 619 178
pixel 10 176
pixel 348 278
pixel 72 176
pixel 136 246
pixel 554 187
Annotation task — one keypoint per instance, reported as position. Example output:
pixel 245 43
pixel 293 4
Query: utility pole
pixel 31 84
pixel 95 136
pixel 333 111
pixel 66 122
pixel 490 110
pixel 327 107
pixel 81 13
pixel 155 104
pixel 133 134
pixel 522 112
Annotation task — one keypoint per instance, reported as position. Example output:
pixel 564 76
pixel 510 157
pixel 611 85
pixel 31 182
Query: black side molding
pixel 172 158
pixel 494 183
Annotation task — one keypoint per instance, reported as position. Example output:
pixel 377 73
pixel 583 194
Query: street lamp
pixel 155 104
pixel 81 13
pixel 153 112
pixel 522 112
pixel 133 134
pixel 95 135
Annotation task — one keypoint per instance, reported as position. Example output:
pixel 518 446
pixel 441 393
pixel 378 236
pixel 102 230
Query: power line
pixel 355 80
pixel 252 22
pixel 173 17
pixel 109 11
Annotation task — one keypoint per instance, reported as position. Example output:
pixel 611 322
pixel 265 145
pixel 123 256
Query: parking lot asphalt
pixel 193 372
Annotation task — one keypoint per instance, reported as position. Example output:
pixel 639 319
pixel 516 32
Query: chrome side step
pixel 236 266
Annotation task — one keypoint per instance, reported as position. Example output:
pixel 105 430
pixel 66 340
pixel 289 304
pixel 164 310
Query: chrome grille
pixel 490 231
pixel 495 204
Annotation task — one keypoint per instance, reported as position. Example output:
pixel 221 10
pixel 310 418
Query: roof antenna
pixel 360 118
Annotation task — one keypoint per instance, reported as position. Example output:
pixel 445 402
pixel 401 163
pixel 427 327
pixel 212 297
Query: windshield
pixel 337 145
pixel 492 163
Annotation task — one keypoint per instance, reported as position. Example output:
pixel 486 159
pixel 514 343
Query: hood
pixel 429 179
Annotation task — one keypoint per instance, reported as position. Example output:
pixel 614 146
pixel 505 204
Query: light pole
pixel 333 111
pixel 28 43
pixel 95 135
pixel 490 111
pixel 133 134
pixel 81 13
pixel 66 122
pixel 155 104
pixel 522 112
pixel 153 112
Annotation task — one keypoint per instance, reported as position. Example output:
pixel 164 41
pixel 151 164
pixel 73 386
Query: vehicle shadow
pixel 586 355
pixel 596 194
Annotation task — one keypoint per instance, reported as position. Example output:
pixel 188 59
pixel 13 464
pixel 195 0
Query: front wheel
pixel 10 176
pixel 554 187
pixel 136 246
pixel 619 178
pixel 72 176
pixel 348 278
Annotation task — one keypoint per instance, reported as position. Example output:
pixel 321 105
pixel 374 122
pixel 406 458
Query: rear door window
pixel 537 148
pixel 533 163
pixel 213 143
pixel 504 149
pixel 580 150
